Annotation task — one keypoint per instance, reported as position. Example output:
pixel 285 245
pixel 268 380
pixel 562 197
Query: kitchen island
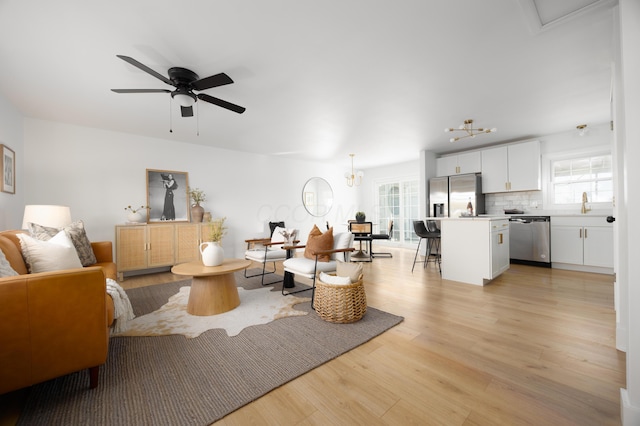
pixel 474 250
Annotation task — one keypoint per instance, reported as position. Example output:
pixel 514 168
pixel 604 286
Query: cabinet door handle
pixel 500 239
pixel 585 232
pixel 580 232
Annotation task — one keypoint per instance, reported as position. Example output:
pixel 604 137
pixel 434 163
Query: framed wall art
pixel 167 196
pixel 8 167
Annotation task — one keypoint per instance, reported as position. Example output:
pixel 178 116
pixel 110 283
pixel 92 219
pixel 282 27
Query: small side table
pixel 289 279
pixel 213 288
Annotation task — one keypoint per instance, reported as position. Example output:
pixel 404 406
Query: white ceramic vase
pixel 212 253
pixel 135 217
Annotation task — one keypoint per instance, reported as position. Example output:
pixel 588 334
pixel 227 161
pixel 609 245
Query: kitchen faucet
pixel 584 208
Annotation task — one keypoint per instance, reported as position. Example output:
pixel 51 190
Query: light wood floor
pixel 534 347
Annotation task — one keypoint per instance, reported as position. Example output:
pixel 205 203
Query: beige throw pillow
pixel 351 270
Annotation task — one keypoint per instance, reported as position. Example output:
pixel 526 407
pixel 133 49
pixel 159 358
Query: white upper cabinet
pixel 465 162
pixel 511 168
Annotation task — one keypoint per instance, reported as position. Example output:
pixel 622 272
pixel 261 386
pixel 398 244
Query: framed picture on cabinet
pixel 167 196
pixel 8 166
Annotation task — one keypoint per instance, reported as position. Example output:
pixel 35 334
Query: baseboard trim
pixel 582 268
pixel 630 415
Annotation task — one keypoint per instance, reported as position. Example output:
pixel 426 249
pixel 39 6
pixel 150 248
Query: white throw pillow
pixel 5 267
pixel 277 236
pixel 44 256
pixel 334 279
pixel 75 231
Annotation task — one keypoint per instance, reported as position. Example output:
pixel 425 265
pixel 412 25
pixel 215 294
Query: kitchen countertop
pixel 597 213
pixel 468 218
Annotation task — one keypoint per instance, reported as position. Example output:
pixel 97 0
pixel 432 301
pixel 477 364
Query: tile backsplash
pixel 527 201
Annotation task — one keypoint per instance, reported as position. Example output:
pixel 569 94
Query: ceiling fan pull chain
pixel 170 114
pixel 197 119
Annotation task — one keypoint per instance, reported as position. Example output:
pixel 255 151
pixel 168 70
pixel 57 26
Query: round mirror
pixel 317 196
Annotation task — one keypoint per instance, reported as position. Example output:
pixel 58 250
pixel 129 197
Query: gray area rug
pixel 172 380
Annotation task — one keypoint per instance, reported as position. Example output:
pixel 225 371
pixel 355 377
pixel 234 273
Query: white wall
pixel 11 134
pixel 98 173
pixel 372 176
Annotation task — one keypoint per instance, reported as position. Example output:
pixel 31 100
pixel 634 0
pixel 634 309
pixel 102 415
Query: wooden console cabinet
pixel 147 246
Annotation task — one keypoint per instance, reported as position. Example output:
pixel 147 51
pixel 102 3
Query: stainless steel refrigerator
pixel 453 195
pixel 465 195
pixel 439 197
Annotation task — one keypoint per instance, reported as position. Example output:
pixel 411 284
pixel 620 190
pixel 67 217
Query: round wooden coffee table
pixel 213 288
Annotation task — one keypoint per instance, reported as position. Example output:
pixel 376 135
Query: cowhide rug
pixel 258 306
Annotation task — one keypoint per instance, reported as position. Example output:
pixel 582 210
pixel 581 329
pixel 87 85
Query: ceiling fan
pixel 185 82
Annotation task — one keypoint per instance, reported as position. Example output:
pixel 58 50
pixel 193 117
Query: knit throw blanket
pixel 123 312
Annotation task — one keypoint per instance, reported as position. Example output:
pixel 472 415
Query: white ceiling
pixel 319 79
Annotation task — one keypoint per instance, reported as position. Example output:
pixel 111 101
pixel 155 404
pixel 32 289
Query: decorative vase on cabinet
pixel 135 217
pixel 197 212
pixel 212 253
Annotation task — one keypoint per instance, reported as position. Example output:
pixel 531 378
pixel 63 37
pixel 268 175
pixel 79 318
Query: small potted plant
pixel 197 211
pixel 217 230
pixel 360 217
pixel 211 251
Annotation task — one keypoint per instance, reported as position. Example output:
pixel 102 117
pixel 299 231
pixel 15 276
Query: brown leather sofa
pixel 53 323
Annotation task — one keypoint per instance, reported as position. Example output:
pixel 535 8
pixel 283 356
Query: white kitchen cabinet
pixel 458 164
pixel 582 243
pixel 514 167
pixel 474 250
pixel 499 247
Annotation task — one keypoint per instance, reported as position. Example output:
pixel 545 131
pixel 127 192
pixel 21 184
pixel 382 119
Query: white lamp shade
pixel 46 215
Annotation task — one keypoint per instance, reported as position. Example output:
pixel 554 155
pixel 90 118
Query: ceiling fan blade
pixel 186 111
pixel 212 81
pixel 146 69
pixel 221 103
pixel 141 90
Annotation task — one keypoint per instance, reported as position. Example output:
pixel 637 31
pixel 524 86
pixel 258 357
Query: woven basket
pixel 340 303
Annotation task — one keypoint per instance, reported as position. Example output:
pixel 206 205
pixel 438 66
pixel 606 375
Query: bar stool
pixel 433 247
pixel 433 242
pixel 421 231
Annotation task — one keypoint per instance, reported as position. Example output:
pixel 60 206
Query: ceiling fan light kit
pixel 467 127
pixel 185 99
pixel 185 82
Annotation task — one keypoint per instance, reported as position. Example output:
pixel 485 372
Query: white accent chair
pixel 266 250
pixel 309 268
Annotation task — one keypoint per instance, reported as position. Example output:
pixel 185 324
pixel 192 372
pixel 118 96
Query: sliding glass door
pixel 398 200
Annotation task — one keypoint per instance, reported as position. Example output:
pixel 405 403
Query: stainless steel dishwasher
pixel 529 240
